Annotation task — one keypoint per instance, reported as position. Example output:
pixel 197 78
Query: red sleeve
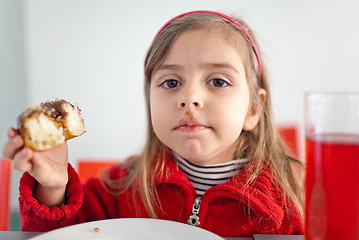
pixel 88 202
pixel 41 218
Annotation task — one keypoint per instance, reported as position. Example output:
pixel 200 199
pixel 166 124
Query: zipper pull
pixel 194 219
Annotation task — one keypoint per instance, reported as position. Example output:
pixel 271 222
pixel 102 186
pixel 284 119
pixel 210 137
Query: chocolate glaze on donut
pixel 58 114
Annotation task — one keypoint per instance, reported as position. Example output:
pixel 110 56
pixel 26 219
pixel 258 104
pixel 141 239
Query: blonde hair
pixel 262 145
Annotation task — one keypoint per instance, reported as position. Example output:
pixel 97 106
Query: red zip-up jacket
pixel 231 209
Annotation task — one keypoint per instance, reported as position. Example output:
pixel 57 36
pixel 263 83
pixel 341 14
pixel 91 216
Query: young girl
pixel 213 157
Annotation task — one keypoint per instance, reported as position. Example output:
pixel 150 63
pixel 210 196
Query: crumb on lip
pixel 96 229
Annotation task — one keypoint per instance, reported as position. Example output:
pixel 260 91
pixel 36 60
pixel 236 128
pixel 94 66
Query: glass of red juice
pixel 332 166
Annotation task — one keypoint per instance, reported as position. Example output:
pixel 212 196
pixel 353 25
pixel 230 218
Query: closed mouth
pixel 191 126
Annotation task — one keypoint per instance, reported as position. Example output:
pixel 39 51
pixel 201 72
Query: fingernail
pixel 11 132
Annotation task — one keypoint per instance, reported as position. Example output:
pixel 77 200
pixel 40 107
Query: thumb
pixel 23 160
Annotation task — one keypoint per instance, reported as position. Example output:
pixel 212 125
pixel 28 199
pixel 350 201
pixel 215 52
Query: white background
pixel 91 52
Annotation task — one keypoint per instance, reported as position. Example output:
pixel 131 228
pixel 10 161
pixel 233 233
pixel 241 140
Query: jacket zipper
pixel 194 219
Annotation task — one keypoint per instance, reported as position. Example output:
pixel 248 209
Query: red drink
pixel 332 187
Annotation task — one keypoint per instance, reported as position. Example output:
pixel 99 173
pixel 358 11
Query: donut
pixel 50 124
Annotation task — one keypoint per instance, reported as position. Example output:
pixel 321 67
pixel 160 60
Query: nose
pixel 190 101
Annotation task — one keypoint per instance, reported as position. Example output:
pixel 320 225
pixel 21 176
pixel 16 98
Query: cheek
pixel 232 121
pixel 158 113
pixel 231 114
pixel 156 125
pixel 154 111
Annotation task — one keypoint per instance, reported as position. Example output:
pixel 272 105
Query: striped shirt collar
pixel 204 177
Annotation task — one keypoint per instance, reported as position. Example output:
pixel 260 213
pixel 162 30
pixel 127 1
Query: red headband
pixel 254 46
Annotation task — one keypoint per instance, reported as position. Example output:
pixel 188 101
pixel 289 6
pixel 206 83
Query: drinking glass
pixel 332 166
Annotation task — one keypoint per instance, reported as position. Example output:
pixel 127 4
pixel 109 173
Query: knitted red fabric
pixel 230 209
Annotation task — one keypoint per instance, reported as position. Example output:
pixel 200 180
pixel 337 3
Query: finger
pixel 22 160
pixel 11 132
pixel 12 146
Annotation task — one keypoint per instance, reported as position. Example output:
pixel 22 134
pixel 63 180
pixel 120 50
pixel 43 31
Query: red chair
pixel 290 135
pixel 5 178
pixel 88 168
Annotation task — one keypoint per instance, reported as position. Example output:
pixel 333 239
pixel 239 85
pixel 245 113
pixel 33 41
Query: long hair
pixel 262 145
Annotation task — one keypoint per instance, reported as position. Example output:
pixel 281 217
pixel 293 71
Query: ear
pixel 255 111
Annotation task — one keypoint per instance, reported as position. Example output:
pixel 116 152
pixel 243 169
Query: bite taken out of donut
pixel 50 124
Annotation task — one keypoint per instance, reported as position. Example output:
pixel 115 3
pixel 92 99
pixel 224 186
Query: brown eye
pixel 170 84
pixel 217 82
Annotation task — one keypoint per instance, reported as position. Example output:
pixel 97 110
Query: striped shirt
pixel 204 177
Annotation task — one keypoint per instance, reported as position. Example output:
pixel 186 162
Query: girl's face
pixel 199 98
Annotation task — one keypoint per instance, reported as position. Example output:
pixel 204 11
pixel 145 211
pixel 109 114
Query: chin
pixel 194 158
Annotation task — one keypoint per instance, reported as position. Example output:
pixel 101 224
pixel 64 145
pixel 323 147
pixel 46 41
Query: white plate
pixel 129 229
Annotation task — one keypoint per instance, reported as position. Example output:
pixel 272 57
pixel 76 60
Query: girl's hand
pixel 49 168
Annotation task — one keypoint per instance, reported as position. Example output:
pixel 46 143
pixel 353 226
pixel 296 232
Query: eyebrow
pixel 205 65
pixel 220 65
pixel 168 67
